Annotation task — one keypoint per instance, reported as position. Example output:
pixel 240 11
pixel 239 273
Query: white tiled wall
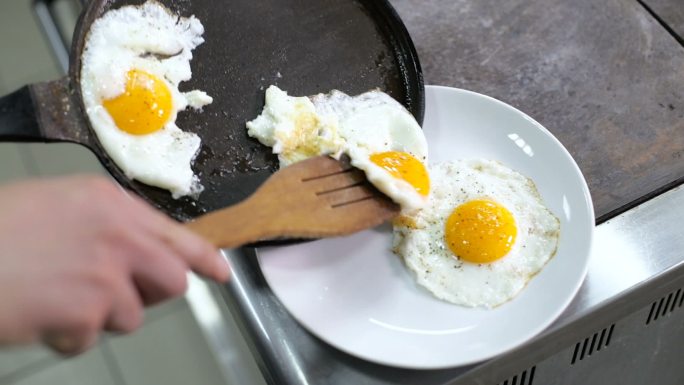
pixel 172 355
pixel 87 369
pixel 13 360
pixel 25 56
pixel 51 159
pixel 12 165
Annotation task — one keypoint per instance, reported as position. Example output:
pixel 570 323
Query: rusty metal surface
pixel 604 77
pixel 61 117
pixel 58 113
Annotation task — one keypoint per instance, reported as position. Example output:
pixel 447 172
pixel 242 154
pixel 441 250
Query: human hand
pixel 78 256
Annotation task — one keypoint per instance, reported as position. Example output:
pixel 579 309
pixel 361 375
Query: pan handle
pixel 44 112
pixel 18 117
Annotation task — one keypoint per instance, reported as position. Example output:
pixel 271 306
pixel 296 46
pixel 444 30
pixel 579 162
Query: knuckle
pixel 178 284
pixel 70 344
pixel 100 203
pixel 200 250
pixel 103 271
pixel 125 323
pixel 90 322
pixel 195 248
pixel 104 196
pixel 128 316
pixel 114 235
pixel 133 321
pixel 100 185
pixel 78 334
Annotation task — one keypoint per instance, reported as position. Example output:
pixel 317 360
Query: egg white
pixel 280 125
pixel 359 126
pixel 152 39
pixel 419 237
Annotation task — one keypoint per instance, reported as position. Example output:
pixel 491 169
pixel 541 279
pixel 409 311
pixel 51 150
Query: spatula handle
pixel 235 226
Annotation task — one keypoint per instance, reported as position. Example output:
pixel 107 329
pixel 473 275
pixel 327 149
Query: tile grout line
pixel 174 308
pixel 32 368
pixel 104 345
pixel 29 161
pixel 112 363
pixel 110 357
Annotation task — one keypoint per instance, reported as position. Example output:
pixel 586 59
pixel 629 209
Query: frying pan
pixel 303 46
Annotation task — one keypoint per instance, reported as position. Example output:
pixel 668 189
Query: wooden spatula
pixel 315 198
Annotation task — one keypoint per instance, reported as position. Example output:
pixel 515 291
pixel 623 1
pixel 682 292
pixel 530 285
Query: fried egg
pixel 483 234
pixel 133 61
pixel 380 136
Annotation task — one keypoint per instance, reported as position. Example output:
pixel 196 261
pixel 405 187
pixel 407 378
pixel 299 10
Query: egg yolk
pixel 144 107
pixel 480 231
pixel 404 166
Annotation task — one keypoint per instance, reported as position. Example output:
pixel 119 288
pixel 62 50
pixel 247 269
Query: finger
pixel 70 329
pixel 70 343
pixel 197 253
pixel 75 331
pixel 127 308
pixel 159 284
pixel 157 271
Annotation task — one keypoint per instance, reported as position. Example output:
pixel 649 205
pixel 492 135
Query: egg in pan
pixel 133 61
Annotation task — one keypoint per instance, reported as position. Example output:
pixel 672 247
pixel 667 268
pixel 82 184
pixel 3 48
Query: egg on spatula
pixel 379 135
pixel 133 61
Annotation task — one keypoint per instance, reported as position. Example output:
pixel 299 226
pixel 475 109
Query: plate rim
pixel 533 333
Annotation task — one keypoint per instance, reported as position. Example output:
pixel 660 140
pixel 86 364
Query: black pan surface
pixel 303 46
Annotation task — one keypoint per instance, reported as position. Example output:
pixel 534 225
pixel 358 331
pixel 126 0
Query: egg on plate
pixel 133 61
pixel 380 136
pixel 483 234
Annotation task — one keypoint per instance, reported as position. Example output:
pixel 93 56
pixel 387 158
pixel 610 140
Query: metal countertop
pixel 604 77
pixel 633 249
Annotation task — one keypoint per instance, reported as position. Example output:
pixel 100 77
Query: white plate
pixel 353 293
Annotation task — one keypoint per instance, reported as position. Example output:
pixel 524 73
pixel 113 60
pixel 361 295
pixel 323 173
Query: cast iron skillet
pixel 303 46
